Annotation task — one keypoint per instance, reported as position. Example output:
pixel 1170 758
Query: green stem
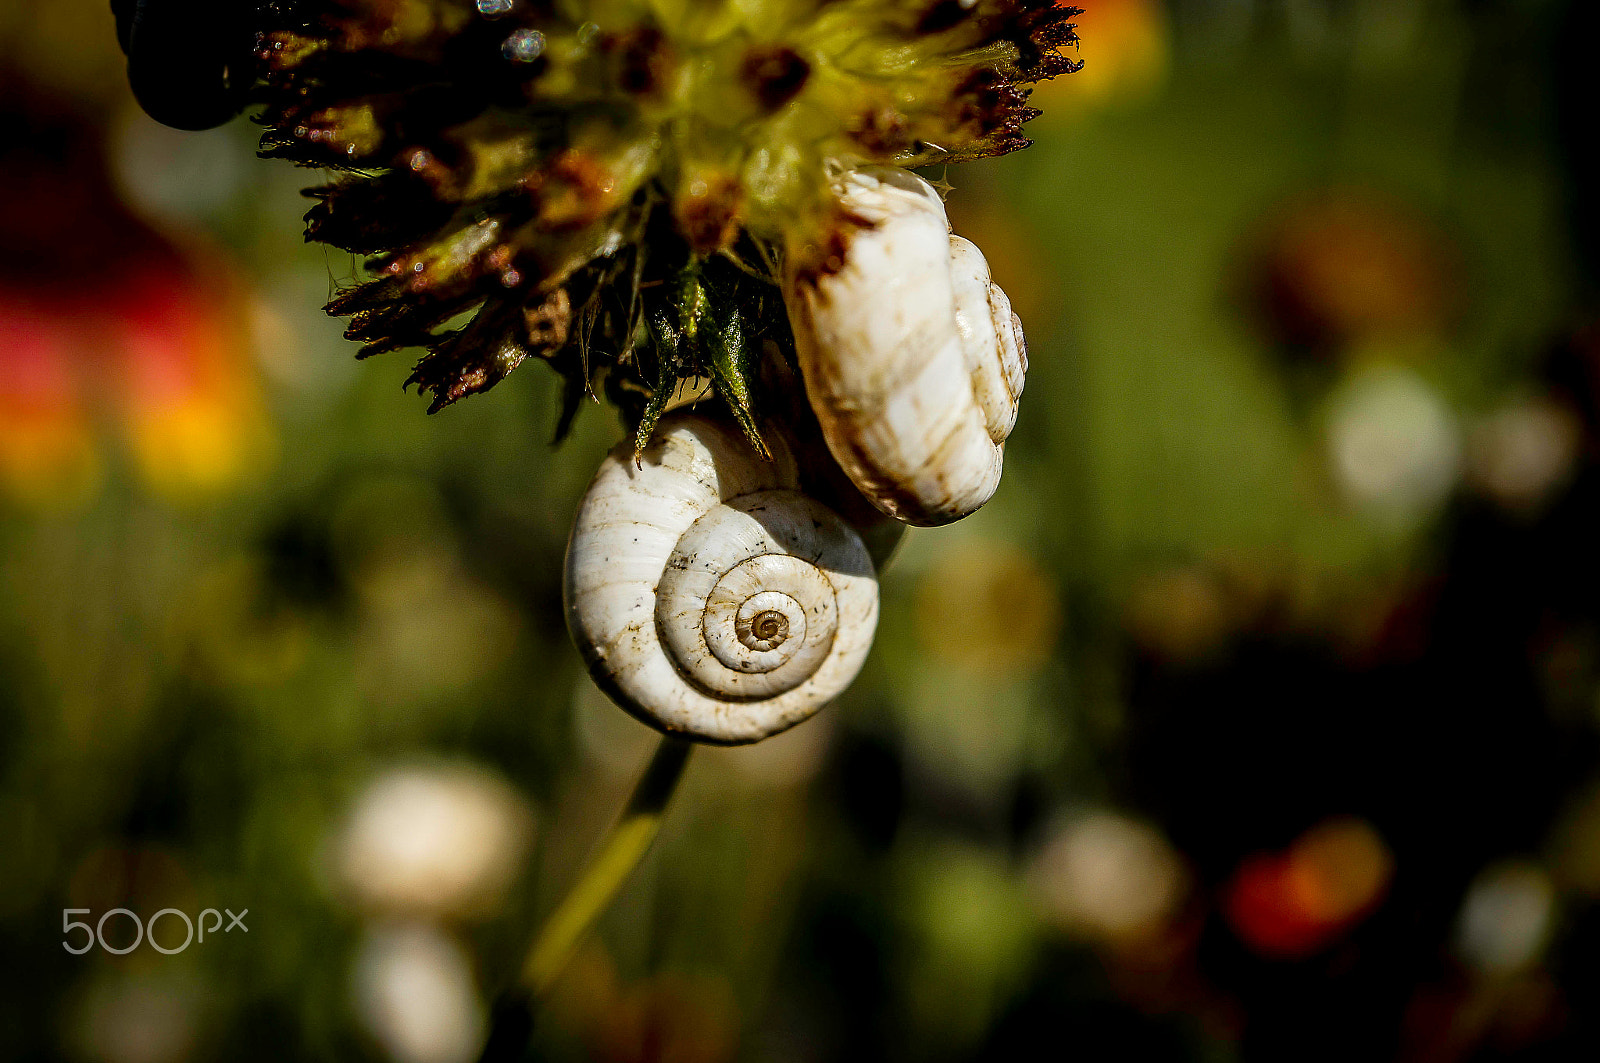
pixel 624 847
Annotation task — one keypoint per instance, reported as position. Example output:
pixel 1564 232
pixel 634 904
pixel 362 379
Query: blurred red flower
pixel 1292 904
pixel 103 319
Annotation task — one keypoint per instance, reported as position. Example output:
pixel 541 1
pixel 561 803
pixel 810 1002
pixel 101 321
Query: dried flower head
pixel 617 185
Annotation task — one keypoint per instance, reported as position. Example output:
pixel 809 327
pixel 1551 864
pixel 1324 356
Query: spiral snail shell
pixel 707 594
pixel 912 357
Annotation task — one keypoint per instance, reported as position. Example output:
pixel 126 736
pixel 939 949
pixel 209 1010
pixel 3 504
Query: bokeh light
pixel 433 841
pixel 1109 878
pixel 414 988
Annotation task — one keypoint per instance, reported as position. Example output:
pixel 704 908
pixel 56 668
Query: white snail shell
pixel 913 359
pixel 707 594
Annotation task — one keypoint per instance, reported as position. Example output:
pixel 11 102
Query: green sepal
pixel 669 345
pixel 734 360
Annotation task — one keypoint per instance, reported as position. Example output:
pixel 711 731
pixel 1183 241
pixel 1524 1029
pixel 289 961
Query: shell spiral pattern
pixel 912 357
pixel 708 595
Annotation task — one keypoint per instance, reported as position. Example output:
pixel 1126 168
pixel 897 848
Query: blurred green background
pixel 1254 719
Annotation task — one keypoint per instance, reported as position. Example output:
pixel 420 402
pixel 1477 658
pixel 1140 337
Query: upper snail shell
pixel 913 359
pixel 709 597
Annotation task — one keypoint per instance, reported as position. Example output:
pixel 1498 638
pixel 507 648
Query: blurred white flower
pixel 434 841
pixel 1506 918
pixel 1393 444
pixel 1522 451
pixel 415 994
pixel 1105 876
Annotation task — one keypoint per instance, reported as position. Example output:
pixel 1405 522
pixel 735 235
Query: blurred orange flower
pixel 1347 266
pixel 1126 50
pixel 162 355
pixel 1290 905
pixel 188 395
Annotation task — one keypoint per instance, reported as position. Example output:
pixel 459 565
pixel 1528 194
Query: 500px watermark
pixel 97 934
